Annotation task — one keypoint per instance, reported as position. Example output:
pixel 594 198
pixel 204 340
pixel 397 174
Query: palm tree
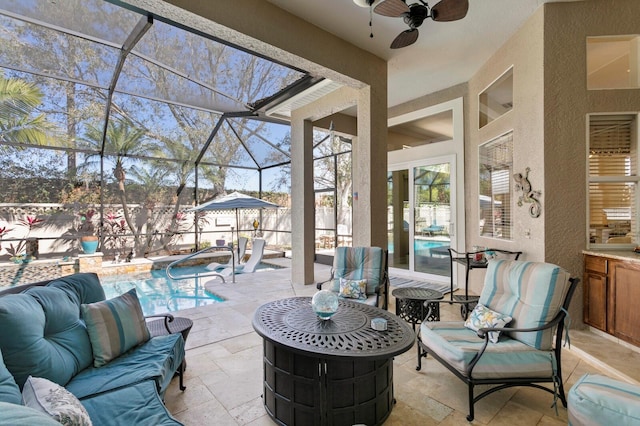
pixel 19 122
pixel 123 139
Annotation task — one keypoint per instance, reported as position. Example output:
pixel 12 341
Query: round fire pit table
pixel 328 372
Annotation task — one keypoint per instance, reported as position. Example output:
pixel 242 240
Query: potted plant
pixel 86 230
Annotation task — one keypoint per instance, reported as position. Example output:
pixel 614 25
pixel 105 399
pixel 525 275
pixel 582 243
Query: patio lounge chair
pixel 532 298
pixel 257 252
pixel 361 263
pixel 241 249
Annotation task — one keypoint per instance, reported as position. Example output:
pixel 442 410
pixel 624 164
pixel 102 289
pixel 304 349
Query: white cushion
pixel 54 400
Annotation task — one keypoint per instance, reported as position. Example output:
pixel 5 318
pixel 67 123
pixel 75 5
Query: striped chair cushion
pixel 356 263
pixel 457 345
pixel 600 400
pixel 114 326
pixel 530 292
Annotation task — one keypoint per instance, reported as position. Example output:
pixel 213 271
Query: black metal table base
pixel 307 390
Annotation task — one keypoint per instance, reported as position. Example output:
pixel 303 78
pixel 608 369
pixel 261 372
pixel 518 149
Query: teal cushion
pixel 457 346
pixel 114 326
pixel 158 359
pixel 600 400
pixel 81 288
pixel 9 390
pixel 14 414
pixel 356 263
pixel 531 293
pixel 42 335
pixel 143 408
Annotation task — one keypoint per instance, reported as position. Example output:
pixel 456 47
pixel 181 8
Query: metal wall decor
pixel 528 194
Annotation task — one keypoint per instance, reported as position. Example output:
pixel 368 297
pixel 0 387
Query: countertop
pixel 627 255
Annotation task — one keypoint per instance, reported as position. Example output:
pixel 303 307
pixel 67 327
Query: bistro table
pixel 410 304
pixel 328 372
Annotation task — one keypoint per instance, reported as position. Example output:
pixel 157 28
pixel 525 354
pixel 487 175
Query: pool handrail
pixel 229 248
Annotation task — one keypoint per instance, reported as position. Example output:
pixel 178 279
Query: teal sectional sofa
pixel 43 334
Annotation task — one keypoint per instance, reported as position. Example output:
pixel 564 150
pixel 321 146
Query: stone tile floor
pixel 224 372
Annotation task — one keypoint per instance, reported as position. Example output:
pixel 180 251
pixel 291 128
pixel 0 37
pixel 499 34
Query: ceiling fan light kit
pixel 364 3
pixel 415 14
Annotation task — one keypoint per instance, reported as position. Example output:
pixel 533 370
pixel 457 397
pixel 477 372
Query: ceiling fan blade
pixel 405 39
pixel 391 8
pixel 450 10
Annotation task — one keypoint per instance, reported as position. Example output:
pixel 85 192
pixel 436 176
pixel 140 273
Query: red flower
pixel 5 230
pixel 30 221
pixel 112 217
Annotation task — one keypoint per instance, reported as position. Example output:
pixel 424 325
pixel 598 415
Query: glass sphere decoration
pixel 325 303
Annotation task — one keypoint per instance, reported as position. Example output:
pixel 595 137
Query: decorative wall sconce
pixel 528 195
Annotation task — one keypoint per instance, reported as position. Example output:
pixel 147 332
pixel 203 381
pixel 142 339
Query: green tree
pixel 20 121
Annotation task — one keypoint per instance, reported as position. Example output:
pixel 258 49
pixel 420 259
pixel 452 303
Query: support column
pixel 302 201
pixel 370 169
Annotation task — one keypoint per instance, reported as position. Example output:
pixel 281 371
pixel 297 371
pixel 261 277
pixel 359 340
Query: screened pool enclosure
pixel 115 123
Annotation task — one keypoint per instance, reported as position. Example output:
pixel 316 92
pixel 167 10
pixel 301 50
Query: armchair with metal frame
pixel 476 259
pixel 527 352
pixel 356 263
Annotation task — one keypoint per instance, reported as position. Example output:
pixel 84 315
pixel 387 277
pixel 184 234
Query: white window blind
pixel 496 187
pixel 612 179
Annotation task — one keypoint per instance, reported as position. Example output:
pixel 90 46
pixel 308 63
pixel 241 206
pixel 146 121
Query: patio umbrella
pixel 235 201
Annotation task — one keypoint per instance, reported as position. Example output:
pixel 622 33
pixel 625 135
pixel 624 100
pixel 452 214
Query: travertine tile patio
pixel 224 371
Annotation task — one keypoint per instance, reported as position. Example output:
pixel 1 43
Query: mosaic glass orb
pixel 325 304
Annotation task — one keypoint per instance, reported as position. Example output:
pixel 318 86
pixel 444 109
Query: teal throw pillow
pixel 114 326
pixel 483 317
pixel 353 289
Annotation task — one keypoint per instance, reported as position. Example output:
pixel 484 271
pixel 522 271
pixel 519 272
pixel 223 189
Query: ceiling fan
pixel 414 14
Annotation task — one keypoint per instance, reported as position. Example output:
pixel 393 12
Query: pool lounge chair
pixel 242 247
pixel 257 251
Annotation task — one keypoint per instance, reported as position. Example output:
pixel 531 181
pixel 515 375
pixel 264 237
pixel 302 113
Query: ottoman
pixel 599 400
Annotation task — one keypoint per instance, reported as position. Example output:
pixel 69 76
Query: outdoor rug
pixel 399 282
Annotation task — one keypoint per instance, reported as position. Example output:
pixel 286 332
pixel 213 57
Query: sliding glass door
pixel 432 218
pixel 421 220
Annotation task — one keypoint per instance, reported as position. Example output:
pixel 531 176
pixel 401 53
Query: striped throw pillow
pixel 114 326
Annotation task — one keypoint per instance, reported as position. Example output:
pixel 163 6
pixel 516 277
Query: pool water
pixel 159 294
pixel 420 245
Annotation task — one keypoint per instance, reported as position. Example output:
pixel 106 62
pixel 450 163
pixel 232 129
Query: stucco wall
pixel 524 52
pixel 551 103
pixel 566 105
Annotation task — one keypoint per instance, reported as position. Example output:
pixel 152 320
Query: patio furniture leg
pixel 181 373
pixel 471 402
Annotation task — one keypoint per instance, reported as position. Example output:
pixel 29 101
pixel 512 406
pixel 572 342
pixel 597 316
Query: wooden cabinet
pixel 595 292
pixel 612 296
pixel 623 317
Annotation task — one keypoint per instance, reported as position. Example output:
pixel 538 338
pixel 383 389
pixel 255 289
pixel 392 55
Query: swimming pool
pixel 420 245
pixel 159 294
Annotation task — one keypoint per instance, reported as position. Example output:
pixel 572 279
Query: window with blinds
pixel 613 160
pixel 496 187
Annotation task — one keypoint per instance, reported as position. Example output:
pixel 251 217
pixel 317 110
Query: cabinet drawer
pixel 595 264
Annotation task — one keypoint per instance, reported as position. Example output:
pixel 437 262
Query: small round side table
pixel 410 304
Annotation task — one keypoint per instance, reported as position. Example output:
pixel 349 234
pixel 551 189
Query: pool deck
pixel 224 374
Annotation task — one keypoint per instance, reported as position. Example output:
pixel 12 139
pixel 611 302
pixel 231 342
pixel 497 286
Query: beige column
pixel 370 169
pixel 302 200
